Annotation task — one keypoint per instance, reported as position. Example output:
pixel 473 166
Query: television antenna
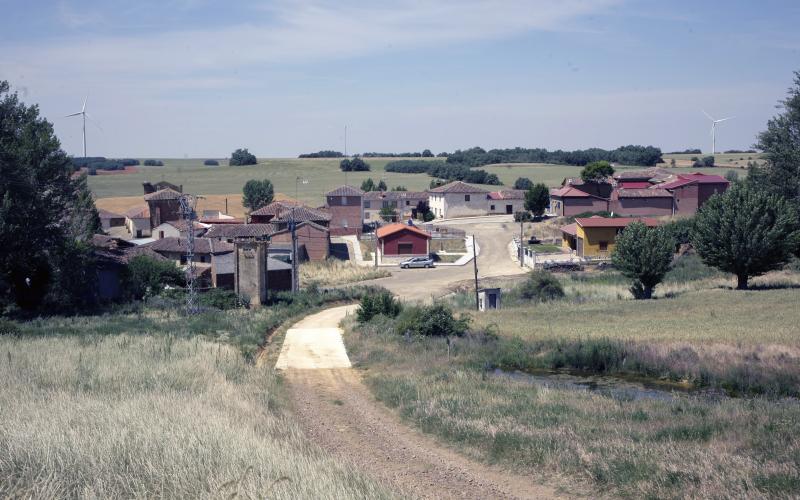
pixel 187 210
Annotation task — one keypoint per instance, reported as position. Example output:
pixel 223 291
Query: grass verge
pixel 337 272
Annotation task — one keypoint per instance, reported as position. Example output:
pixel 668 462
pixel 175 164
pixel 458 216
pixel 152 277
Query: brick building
pixel 346 208
pixel 164 205
pixel 403 240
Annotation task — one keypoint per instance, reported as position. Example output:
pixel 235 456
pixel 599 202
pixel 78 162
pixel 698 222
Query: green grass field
pixel 699 332
pixel 322 175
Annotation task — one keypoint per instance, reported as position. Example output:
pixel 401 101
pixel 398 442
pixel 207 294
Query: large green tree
pixel 643 255
pixel 781 146
pixel 746 231
pixel 242 157
pixel 597 171
pixel 46 216
pixel 257 194
pixel 537 199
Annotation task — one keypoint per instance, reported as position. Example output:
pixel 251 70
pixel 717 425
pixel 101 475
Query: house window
pixel 161 234
pixel 183 259
pixel 366 204
pixel 603 246
pixel 405 248
pixel 466 197
pixel 344 200
pixel 491 207
pixel 385 204
pixel 408 203
pixel 344 222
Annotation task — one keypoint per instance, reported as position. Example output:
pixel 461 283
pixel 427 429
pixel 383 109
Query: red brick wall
pixel 347 211
pixel 686 199
pixel 706 191
pixel 164 211
pixel 314 242
pixel 642 206
pixel 260 219
pixel 575 206
pixel 391 243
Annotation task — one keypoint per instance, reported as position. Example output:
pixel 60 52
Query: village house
pixel 594 237
pixel 457 199
pixel 652 201
pixel 346 207
pixel 404 203
pixel 110 219
pixel 692 190
pixel 164 205
pixel 111 258
pixel 178 229
pixel 509 201
pixel 403 240
pixel 213 259
pixel 137 222
pixel 568 201
pixel 313 240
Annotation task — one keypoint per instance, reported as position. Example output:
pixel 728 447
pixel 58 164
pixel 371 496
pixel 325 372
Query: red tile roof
pixel 345 191
pixel 570 192
pixel 696 177
pixel 163 194
pixel 634 185
pixel 571 229
pixel 395 195
pixel 641 193
pixel 385 231
pixel 107 214
pixel 457 187
pixel 141 212
pixel 597 221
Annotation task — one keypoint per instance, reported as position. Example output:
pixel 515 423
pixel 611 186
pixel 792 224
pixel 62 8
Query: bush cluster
pixel 211 163
pixel 436 320
pixel 102 163
pixel 382 303
pixel 354 165
pixel 242 157
pixel 153 163
pixel 540 286
pixel 626 155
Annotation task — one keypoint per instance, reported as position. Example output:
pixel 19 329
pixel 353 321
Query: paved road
pixel 493 234
pixel 316 342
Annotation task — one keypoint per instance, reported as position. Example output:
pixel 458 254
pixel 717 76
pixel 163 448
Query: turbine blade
pixel 93 122
pixel 709 116
pixel 74 114
pixel 723 119
pixel 84 104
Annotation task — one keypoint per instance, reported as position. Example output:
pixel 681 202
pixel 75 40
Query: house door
pixel 405 248
pixel 492 301
pixel 509 209
pixel 580 247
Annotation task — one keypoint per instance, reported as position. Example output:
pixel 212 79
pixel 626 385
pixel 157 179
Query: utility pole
pixel 295 277
pixel 475 266
pixel 345 141
pixel 521 251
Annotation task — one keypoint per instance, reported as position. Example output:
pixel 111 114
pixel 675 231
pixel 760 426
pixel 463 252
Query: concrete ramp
pixel 315 342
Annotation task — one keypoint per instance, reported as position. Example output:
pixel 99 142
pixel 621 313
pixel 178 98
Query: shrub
pixel 644 255
pixel 382 303
pixel 211 163
pixel 242 157
pixel 522 216
pixel 146 275
pixel 354 165
pixel 8 327
pixel 436 320
pixel 523 183
pixel 153 163
pixel 219 298
pixel 541 286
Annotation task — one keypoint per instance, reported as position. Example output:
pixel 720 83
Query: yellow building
pixel 594 237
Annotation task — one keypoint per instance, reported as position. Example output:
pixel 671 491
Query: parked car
pixel 426 262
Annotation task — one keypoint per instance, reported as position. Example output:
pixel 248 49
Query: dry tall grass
pixel 152 416
pixel 337 272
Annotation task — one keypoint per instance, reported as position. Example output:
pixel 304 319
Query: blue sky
pixel 201 78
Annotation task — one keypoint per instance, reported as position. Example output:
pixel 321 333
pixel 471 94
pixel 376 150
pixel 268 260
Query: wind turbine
pixel 714 130
pixel 82 112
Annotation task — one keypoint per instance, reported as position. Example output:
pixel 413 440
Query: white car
pixel 425 262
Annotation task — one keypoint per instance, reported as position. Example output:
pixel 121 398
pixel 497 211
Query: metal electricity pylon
pixel 188 204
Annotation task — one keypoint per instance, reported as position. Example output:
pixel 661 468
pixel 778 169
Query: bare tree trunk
pixel 741 282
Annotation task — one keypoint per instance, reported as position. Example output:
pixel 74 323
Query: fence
pixel 531 258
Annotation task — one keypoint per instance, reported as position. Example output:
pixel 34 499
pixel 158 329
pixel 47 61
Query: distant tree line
pixel 95 163
pixel 625 155
pixel 738 151
pixel 694 151
pixel 153 163
pixel 443 170
pixel 425 154
pixel 322 154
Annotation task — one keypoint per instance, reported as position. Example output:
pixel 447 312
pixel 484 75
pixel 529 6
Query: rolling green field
pixel 322 175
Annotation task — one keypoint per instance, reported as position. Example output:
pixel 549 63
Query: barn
pixel 399 239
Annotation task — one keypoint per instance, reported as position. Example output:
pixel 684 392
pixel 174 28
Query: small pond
pixel 618 387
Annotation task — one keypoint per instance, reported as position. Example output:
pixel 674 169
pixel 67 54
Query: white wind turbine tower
pixel 714 130
pixel 82 112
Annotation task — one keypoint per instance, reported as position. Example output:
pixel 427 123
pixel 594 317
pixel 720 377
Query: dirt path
pixel 338 412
